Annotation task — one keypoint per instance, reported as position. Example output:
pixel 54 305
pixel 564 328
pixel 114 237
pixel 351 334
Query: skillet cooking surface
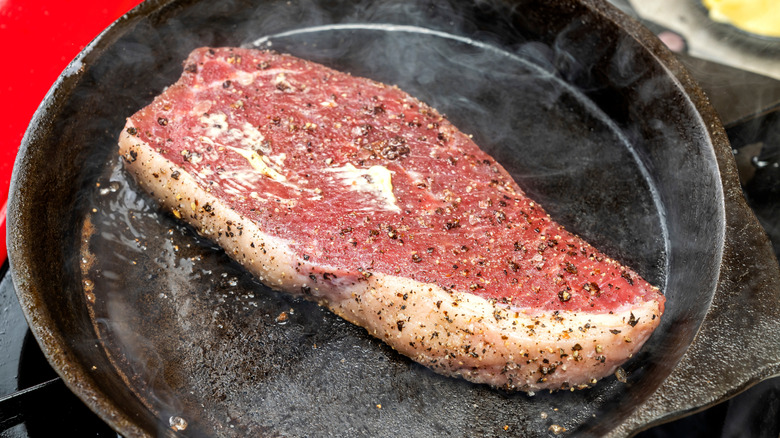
pixel 198 340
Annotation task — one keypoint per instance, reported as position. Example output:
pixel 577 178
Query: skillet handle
pixel 13 406
pixel 738 344
pixel 741 98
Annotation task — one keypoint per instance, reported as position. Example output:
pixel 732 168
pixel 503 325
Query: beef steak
pixel 353 194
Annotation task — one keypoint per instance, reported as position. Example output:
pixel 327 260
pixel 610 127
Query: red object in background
pixel 39 39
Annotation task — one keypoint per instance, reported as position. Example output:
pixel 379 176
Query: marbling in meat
pixel 358 196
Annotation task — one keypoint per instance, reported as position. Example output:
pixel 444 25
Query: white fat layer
pixel 243 78
pixel 217 131
pixel 202 107
pixel 376 180
pixel 214 124
pixel 253 138
pixel 260 164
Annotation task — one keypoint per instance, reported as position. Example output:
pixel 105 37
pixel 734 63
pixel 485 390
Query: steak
pixel 353 194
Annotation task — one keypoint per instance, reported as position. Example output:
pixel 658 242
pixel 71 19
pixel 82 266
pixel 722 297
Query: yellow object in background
pixel 761 17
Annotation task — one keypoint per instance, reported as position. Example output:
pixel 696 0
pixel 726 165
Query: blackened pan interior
pixel 161 328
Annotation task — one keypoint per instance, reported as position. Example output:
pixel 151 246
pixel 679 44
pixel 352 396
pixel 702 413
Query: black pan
pixel 156 329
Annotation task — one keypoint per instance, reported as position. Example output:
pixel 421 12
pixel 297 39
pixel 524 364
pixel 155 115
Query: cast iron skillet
pixel 157 330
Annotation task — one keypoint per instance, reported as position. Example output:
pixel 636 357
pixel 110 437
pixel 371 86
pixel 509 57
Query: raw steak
pixel 356 195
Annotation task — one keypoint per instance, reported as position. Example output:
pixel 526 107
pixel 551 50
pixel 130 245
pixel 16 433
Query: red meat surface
pixel 347 190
